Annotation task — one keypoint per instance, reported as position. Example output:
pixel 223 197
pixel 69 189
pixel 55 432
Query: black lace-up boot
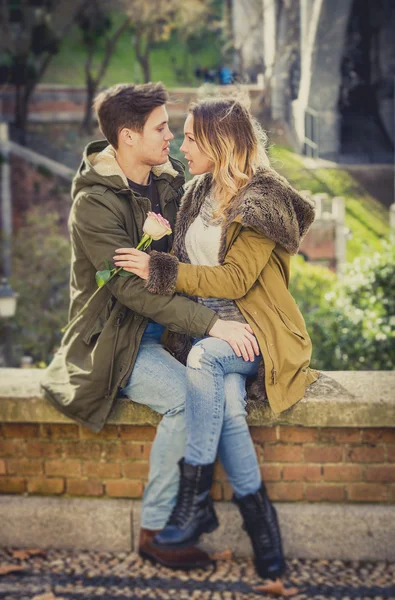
pixel 194 512
pixel 261 524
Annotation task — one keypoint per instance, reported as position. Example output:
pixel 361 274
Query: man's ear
pixel 127 136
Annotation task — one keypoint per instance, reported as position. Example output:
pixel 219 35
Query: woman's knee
pixel 206 351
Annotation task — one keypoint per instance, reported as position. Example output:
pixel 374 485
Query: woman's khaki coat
pixel 263 230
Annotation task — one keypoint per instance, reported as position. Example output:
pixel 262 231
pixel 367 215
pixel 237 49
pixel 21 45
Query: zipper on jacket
pixel 118 323
pixel 274 372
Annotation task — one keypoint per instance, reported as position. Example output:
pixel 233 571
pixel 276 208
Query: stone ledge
pixel 337 399
pixel 323 531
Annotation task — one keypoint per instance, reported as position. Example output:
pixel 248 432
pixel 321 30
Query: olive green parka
pixel 97 353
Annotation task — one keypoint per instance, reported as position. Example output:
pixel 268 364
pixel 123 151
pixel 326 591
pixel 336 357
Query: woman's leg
pixel 209 362
pixel 236 449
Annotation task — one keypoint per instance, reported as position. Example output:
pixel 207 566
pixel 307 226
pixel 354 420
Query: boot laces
pixel 180 513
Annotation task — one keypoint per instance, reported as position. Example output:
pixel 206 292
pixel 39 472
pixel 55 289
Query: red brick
pixel 324 493
pixel 340 435
pixel 109 432
pixel 82 449
pixel 343 473
pixel 302 473
pixel 102 470
pixel 365 454
pixel 282 453
pixel 12 485
pixel 2 467
pixel 264 434
pixel 391 453
pixel 393 494
pixel 21 430
pixel 323 454
pixel 286 492
pixel 135 470
pixel 137 434
pixel 66 468
pixel 384 473
pixel 216 491
pixel 140 451
pixel 297 435
pixel 12 448
pixel 368 492
pixel 24 466
pixel 271 472
pixel 45 486
pixel 379 434
pixel 124 489
pixel 38 449
pixel 59 431
pixel 84 487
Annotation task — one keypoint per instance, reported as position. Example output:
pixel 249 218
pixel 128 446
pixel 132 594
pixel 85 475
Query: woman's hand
pixel 133 261
pixel 239 335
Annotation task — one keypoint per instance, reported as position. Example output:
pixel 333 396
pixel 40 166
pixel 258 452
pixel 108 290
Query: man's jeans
pixel 213 388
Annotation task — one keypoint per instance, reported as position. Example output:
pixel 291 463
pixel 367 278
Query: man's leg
pixel 158 380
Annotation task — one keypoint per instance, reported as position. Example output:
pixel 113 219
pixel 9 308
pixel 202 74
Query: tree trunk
pixel 22 100
pixel 142 55
pixel 87 123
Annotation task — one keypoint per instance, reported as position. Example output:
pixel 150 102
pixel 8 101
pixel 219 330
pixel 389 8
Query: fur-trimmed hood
pixel 268 203
pixel 99 166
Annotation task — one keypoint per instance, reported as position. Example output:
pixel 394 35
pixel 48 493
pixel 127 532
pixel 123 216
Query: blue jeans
pixel 219 426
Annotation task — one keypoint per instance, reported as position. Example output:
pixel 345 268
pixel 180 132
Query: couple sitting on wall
pixel 205 311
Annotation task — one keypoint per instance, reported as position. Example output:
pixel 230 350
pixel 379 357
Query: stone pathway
pixel 76 575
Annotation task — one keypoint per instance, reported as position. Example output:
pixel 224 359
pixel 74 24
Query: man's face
pixel 152 146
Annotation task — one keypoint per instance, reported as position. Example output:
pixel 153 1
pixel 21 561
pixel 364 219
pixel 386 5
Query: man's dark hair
pixel 127 105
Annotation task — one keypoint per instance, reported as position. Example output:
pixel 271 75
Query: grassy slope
pixel 365 216
pixel 68 66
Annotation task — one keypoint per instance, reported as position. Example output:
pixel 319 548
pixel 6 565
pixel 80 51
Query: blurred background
pixel 321 78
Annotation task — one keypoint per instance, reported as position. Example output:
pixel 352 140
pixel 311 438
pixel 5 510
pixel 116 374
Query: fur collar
pixel 105 164
pixel 268 203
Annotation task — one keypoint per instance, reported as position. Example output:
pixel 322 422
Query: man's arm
pixel 100 230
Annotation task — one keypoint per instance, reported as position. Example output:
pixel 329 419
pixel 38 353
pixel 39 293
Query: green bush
pixel 41 267
pixel 351 320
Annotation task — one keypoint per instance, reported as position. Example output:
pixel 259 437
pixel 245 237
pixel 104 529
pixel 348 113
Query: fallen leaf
pixel 276 588
pixel 49 596
pixel 23 554
pixel 224 555
pixel 5 569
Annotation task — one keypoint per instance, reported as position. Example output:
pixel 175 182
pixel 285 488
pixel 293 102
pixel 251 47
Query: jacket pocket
pixel 288 323
pixel 97 323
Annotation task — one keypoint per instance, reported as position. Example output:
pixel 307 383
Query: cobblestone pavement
pixel 75 575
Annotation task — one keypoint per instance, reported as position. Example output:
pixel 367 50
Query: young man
pixel 115 344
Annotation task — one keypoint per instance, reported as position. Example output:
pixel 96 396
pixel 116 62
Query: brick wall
pixel 299 464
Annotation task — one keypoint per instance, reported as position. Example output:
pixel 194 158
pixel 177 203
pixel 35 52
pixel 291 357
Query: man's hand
pixel 240 337
pixel 133 261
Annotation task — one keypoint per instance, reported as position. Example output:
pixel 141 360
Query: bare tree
pixel 96 24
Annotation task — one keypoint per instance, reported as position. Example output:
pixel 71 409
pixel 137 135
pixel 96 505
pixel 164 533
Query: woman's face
pixel 198 162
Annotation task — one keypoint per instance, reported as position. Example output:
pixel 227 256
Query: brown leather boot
pixel 187 558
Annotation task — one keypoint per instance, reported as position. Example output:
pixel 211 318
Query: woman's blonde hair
pixel 227 133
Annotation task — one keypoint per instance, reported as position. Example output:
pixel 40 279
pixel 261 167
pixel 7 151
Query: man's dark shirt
pixel 149 191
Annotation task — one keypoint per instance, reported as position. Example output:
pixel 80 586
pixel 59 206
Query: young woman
pixel 238 225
